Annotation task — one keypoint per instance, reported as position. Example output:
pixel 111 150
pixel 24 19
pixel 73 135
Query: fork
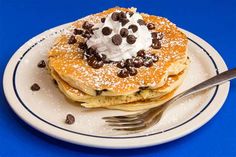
pixel 146 119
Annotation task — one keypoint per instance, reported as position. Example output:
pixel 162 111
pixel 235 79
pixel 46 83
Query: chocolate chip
pixel 115 16
pixel 131 13
pixel 129 63
pixel 70 119
pixel 122 15
pixel 100 57
pixel 35 87
pixel 78 31
pixel 116 39
pixel 124 32
pixel 87 25
pixel 156 44
pixel 97 64
pixel 106 31
pixel 154 34
pixel 150 26
pixel 91 60
pixel 133 27
pixel 124 21
pixel 148 63
pixel 157 35
pixel 123 73
pixel 99 92
pixel 91 51
pixel 141 53
pixel 138 62
pixel 42 64
pixel 131 39
pixel 154 58
pixel 143 87
pixel 132 71
pixel 86 34
pixel 103 19
pixel 141 22
pixel 72 40
pixel 121 64
pixel 83 46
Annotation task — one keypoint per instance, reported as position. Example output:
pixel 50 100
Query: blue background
pixel 213 20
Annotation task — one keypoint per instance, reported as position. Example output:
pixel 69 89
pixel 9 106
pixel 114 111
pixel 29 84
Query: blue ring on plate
pixel 109 137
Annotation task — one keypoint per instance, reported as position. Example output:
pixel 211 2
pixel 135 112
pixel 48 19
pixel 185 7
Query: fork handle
pixel 214 81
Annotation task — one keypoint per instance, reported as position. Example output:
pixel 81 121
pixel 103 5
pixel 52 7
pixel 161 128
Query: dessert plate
pixel 46 109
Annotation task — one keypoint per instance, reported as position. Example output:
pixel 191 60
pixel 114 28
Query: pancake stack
pixel 83 75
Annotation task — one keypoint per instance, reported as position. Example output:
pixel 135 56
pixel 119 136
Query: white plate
pixel 46 109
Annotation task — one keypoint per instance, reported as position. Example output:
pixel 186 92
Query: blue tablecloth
pixel 213 20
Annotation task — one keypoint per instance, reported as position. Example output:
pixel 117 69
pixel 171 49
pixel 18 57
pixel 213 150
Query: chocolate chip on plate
pixel 70 119
pixel 42 64
pixel 124 32
pixel 72 40
pixel 132 71
pixel 87 25
pixel 123 73
pixel 150 26
pixel 78 31
pixel 35 87
pixel 124 21
pixel 133 27
pixel 116 39
pixel 106 31
pixel 156 44
pixel 141 22
pixel 115 16
pixel 131 39
pixel 103 19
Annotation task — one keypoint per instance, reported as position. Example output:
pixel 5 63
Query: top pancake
pixel 66 60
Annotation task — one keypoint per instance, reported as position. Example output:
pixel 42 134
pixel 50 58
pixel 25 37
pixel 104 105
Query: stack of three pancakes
pixel 93 88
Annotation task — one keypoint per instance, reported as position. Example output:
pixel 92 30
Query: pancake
pixel 102 101
pixel 67 62
pixel 143 105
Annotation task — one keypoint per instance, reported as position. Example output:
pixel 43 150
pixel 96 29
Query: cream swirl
pixel 104 44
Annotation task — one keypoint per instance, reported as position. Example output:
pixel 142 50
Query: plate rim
pixel 98 143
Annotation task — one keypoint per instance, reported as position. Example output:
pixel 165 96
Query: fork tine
pixel 135 124
pixel 123 117
pixel 137 128
pixel 123 120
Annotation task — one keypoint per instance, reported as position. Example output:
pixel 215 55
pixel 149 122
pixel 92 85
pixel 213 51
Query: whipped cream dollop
pixel 104 45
